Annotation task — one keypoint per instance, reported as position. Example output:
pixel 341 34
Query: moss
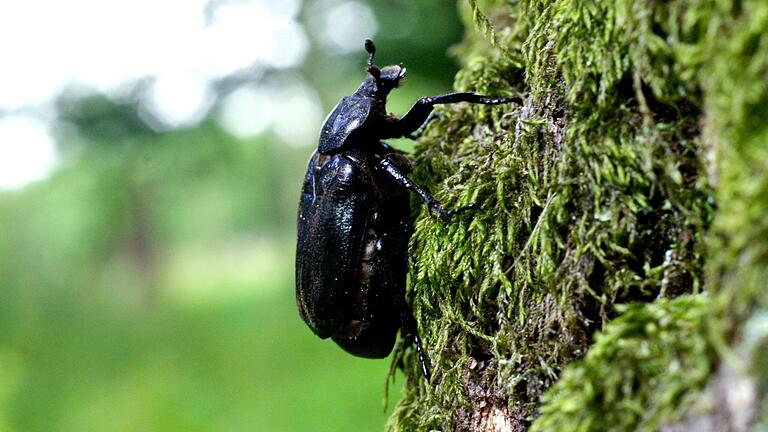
pixel 638 372
pixel 736 107
pixel 591 194
pixel 737 128
pixel 595 192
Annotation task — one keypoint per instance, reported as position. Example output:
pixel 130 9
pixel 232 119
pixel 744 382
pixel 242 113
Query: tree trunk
pixel 614 276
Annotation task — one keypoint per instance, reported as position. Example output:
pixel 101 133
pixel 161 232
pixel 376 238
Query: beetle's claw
pixel 474 206
pixel 498 101
pixel 425 371
pixel 446 213
pixel 422 359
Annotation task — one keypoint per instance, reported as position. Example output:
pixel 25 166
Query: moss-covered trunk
pixel 621 246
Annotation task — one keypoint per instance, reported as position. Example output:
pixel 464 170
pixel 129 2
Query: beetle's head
pixel 380 81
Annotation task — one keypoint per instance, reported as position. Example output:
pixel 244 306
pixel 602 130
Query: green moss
pixel 638 373
pixel 737 127
pixel 592 194
pixel 737 130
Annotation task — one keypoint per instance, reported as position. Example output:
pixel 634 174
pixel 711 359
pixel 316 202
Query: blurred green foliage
pixel 148 285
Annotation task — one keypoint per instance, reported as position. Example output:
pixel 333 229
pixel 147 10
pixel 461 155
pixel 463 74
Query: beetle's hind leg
pixel 399 177
pixel 396 291
pixel 419 349
pixel 410 329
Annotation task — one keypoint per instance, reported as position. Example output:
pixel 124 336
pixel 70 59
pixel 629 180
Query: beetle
pixel 354 218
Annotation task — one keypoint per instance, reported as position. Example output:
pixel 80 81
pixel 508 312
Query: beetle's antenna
pixel 370 48
pixel 374 70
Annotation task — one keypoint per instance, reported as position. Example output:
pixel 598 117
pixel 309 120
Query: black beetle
pixel 354 219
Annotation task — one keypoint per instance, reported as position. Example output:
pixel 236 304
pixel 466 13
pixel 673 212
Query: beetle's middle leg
pixel 399 177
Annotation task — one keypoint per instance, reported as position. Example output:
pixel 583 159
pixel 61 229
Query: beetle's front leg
pixel 420 130
pixel 420 111
pixel 400 178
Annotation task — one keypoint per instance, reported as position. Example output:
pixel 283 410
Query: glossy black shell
pixel 345 123
pixel 351 260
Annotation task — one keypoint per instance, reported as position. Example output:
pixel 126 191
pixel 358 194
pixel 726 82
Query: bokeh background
pixel 151 155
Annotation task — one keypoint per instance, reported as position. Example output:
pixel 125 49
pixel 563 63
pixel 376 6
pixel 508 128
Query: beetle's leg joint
pixel 420 131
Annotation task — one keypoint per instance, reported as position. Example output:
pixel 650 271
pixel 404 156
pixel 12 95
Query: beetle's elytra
pixel 353 219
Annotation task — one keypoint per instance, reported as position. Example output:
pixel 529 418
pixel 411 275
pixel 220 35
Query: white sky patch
pixel 243 34
pixel 27 152
pixel 289 47
pixel 343 25
pixel 284 7
pixel 180 100
pixel 104 44
pixel 247 112
pixel 289 107
pixel 297 121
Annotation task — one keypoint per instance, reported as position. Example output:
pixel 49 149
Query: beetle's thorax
pixel 369 88
pixel 379 85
